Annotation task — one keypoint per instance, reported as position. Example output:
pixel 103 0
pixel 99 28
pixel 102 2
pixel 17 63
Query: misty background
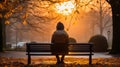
pixel 36 21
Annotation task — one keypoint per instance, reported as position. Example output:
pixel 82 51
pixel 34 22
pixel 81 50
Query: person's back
pixel 60 41
pixel 60 36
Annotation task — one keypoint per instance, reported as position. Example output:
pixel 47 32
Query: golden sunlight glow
pixel 7 22
pixel 65 8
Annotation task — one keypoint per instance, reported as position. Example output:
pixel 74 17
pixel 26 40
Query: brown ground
pixel 51 62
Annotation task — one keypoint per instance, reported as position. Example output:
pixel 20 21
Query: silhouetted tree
pixel 7 7
pixel 2 26
pixel 115 4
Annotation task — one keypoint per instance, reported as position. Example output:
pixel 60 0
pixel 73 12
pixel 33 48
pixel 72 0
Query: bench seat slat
pixel 49 53
pixel 66 55
pixel 68 50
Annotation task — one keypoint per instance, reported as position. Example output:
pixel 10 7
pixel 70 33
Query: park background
pixel 35 21
pixel 82 19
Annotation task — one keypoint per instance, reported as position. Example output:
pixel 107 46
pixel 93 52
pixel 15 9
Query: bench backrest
pixel 45 47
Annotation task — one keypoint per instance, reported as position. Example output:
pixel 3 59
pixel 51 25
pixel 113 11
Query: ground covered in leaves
pixel 51 62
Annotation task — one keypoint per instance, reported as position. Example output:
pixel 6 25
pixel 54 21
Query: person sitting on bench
pixel 60 41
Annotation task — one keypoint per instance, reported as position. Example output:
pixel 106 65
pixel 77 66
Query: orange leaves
pixel 24 22
pixel 1 5
pixel 0 15
pixel 7 22
pixel 25 16
pixel 50 61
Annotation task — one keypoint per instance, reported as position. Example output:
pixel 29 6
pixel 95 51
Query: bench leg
pixel 90 59
pixel 29 59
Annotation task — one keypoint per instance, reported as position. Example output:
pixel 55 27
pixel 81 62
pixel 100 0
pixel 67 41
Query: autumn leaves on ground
pixel 51 62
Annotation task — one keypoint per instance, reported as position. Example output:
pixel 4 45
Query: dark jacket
pixel 60 41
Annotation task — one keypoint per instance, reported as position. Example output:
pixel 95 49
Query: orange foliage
pixel 50 61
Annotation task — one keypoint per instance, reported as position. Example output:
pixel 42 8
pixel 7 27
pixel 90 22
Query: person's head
pixel 60 26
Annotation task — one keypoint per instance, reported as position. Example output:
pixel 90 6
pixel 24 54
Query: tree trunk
pixel 1 36
pixel 2 32
pixel 115 5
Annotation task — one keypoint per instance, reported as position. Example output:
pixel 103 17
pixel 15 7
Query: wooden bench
pixel 43 49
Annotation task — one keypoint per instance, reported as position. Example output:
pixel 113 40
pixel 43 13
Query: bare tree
pixel 7 8
pixel 102 13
